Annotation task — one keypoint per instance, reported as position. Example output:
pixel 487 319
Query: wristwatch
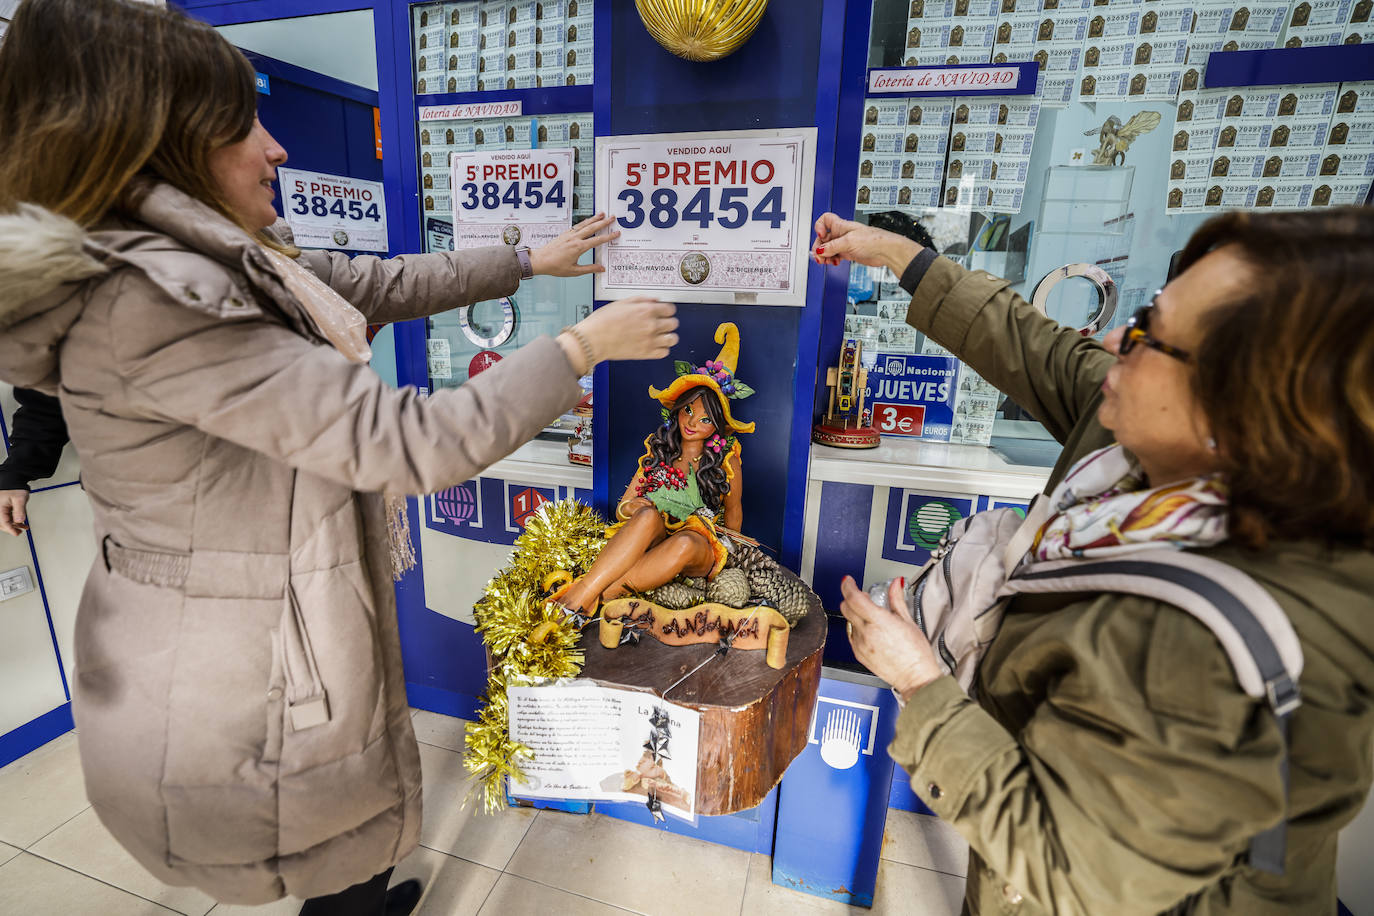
pixel 522 254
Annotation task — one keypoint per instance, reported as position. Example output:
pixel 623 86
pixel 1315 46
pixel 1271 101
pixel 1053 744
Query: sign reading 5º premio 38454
pixel 721 217
pixel 515 197
pixel 333 211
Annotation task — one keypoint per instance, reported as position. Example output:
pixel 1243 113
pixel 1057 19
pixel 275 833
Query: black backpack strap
pixel 1247 621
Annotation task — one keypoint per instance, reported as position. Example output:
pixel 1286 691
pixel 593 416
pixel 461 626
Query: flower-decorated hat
pixel 718 375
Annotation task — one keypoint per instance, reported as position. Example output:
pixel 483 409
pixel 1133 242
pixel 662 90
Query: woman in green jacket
pixel 1111 763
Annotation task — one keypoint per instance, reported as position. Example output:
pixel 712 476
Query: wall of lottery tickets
pixel 483 45
pixel 1114 161
pixel 1280 147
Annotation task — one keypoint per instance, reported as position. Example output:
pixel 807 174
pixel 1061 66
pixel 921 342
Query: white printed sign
pixel 469 111
pixel 513 197
pixel 334 211
pixel 722 217
pixel 591 743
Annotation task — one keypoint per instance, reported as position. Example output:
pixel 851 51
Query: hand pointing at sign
pixel 845 240
pixel 559 257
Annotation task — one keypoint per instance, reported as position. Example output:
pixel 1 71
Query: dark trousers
pixel 366 899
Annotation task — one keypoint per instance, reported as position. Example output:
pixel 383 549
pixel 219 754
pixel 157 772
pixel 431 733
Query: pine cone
pixel 677 596
pixel 785 592
pixel 730 587
pixel 761 584
pixel 749 558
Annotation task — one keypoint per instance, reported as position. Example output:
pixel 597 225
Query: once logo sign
pixel 930 522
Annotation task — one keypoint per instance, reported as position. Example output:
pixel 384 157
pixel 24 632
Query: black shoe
pixel 402 899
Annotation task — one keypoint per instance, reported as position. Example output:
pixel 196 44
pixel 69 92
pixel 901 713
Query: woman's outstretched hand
pixel 559 257
pixel 12 511
pixel 635 328
pixel 845 240
pixel 887 640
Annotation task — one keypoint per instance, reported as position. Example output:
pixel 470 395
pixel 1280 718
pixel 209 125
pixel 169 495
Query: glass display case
pixel 479 46
pixel 1123 150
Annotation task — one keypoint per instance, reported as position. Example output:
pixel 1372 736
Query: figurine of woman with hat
pixel 685 493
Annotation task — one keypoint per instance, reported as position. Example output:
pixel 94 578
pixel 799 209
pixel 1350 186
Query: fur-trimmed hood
pixel 50 268
pixel 39 251
pixel 43 261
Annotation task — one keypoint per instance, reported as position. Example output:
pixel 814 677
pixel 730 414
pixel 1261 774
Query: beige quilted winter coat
pixel 239 699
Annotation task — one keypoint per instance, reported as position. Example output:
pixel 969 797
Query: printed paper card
pixel 599 743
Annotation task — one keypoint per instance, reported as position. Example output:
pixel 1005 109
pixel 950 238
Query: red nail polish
pixel 820 249
pixel 901 583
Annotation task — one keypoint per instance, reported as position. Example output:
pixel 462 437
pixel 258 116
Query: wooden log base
pixel 754 718
pixel 759 627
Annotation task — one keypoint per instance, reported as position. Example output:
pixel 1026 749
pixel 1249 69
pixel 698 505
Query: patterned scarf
pixel 346 328
pixel 1102 510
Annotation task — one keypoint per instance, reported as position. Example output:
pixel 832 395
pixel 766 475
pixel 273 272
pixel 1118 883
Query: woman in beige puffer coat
pixel 239 698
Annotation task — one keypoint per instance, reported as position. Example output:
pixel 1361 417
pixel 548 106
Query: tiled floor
pixel 57 860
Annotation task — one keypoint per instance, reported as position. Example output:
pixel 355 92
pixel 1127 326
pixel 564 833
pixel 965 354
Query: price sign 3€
pixel 721 217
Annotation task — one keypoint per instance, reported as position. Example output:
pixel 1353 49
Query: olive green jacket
pixel 1111 763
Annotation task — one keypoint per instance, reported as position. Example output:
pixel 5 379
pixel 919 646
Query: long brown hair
pixel 101 98
pixel 1285 375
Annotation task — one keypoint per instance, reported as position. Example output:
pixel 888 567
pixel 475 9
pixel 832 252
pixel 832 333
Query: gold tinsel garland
pixel 528 639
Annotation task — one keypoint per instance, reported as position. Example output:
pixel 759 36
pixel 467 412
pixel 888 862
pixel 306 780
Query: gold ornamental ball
pixel 701 30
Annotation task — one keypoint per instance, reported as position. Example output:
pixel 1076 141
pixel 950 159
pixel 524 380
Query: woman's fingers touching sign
pixel 845 240
pixel 829 230
pixel 559 257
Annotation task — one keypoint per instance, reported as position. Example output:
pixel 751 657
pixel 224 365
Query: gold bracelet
pixel 585 344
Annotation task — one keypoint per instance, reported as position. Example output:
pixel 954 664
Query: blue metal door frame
pixel 37 732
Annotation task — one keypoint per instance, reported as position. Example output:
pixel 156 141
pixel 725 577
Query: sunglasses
pixel 1138 332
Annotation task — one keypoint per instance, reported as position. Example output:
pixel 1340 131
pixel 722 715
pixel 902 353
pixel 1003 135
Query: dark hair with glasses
pixel 1138 332
pixel 1285 374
